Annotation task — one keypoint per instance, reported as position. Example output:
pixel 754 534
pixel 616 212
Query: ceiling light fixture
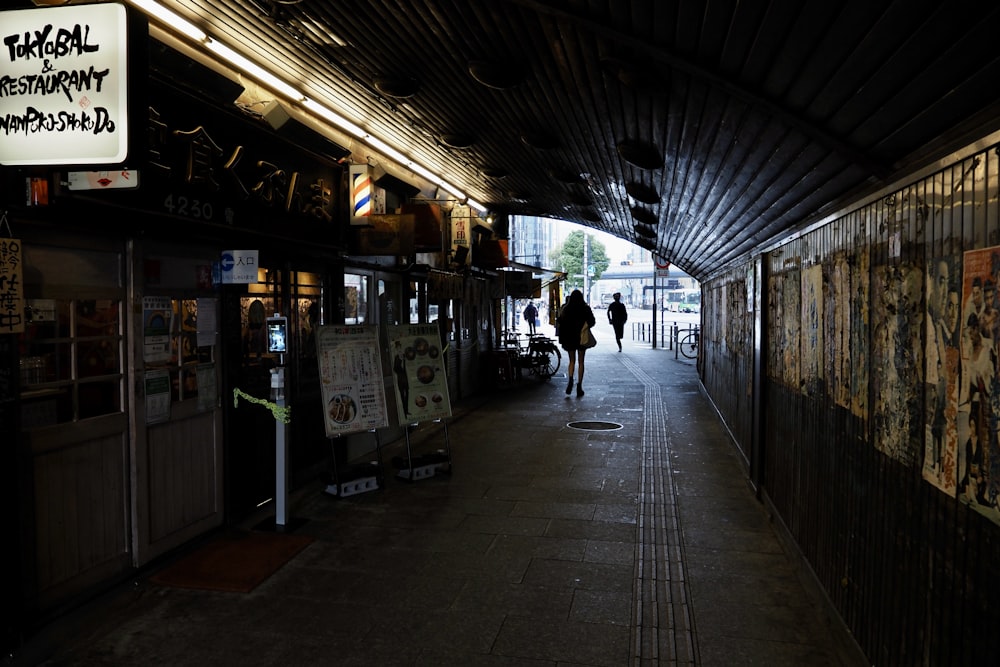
pixel 175 23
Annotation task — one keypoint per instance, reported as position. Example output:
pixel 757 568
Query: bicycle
pixel 544 357
pixel 688 345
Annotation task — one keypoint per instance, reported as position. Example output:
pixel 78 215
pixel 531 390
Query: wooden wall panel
pixel 81 514
pixel 183 474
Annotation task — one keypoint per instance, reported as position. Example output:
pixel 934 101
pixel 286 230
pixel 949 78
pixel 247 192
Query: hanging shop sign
pixel 441 285
pixel 350 369
pixel 390 234
pixel 11 287
pixel 461 229
pixel 64 85
pixel 521 284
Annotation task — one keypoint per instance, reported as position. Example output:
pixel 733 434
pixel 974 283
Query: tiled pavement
pixel 547 545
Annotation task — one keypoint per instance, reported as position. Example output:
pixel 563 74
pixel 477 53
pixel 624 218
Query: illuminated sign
pixel 63 85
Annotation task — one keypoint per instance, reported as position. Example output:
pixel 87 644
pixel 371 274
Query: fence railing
pixel 667 333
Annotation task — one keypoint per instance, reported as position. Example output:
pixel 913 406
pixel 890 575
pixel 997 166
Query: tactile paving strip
pixel 663 630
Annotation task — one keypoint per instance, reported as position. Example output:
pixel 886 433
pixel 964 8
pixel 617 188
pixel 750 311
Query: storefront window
pixel 355 298
pixel 71 361
pixel 414 305
pixel 186 354
pixel 388 302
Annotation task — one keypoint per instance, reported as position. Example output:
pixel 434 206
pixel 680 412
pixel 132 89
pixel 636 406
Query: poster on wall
pixel 11 287
pixel 157 319
pixel 157 391
pixel 418 372
pixel 350 370
pixel 977 474
pixel 946 424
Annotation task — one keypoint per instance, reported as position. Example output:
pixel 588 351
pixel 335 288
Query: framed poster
pixel 350 371
pixel 418 372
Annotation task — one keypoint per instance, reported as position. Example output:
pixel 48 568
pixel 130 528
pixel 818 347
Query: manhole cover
pixel 595 426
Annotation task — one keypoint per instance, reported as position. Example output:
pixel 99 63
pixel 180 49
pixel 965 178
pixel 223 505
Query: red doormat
pixel 235 563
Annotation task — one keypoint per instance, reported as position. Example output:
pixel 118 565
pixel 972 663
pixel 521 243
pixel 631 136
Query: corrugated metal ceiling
pixel 698 129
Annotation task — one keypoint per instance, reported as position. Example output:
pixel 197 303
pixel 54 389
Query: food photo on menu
pixel 418 369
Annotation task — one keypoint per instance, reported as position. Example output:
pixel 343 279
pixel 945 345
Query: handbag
pixel 587 339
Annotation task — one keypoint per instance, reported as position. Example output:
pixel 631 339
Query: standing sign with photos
pixel 350 368
pixel 418 373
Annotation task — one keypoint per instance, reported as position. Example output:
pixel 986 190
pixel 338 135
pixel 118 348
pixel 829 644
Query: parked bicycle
pixel 537 354
pixel 543 357
pixel 688 343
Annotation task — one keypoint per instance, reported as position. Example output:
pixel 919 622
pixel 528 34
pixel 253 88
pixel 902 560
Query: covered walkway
pixel 548 544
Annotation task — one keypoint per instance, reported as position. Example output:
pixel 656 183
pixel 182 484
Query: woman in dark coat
pixel 571 320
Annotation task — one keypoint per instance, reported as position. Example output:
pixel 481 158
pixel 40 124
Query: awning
pixel 548 276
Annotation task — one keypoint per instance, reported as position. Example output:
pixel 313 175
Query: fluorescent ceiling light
pixel 170 19
pixel 324 113
pixel 275 84
pixel 254 70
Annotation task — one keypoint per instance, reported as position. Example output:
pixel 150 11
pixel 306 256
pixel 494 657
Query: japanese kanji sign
pixel 11 287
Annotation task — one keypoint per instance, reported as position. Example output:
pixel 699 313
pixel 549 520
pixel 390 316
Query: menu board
pixel 418 373
pixel 350 370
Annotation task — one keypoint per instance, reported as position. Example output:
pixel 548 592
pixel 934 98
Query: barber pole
pixel 361 194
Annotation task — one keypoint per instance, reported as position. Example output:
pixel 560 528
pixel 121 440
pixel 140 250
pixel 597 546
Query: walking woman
pixel 574 314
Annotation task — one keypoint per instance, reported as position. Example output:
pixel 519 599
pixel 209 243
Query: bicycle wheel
pixel 689 345
pixel 544 364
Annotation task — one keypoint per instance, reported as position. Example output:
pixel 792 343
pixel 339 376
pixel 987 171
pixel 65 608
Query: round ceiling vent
pixel 642 193
pixel 580 199
pixel 566 176
pixel 642 155
pixel 643 230
pixel 496 75
pixel 495 172
pixel 457 140
pixel 398 87
pixel 639 78
pixel 540 140
pixel 644 215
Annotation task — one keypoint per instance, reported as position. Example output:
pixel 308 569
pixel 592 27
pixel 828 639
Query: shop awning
pixel 548 276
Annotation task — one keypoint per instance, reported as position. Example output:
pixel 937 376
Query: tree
pixel 569 258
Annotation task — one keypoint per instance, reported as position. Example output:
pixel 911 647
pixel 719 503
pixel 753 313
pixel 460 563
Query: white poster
pixel 418 372
pixel 157 321
pixel 207 322
pixel 157 390
pixel 350 370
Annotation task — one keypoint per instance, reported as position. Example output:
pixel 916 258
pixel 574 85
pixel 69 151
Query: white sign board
pixel 63 85
pixel 350 371
pixel 419 374
pixel 239 267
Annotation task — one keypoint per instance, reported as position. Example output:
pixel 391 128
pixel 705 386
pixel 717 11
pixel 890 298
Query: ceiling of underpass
pixel 698 129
